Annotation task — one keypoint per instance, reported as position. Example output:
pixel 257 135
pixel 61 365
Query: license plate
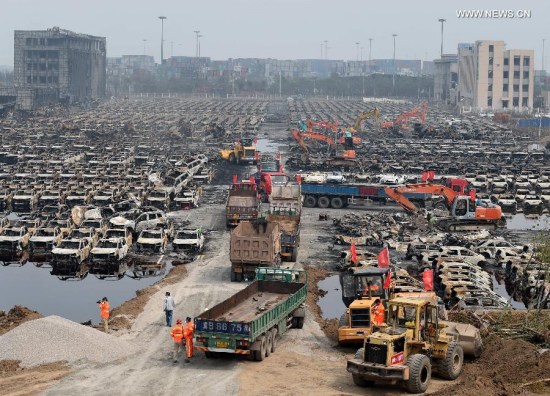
pixel 222 344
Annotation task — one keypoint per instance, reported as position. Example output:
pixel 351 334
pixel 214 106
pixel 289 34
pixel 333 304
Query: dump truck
pixel 412 344
pixel 285 207
pixel 252 245
pixel 243 151
pixel 243 203
pixel 250 321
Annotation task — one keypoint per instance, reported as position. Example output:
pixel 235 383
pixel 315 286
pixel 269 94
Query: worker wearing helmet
pixel 177 335
pixel 104 312
pixel 378 312
pixel 188 333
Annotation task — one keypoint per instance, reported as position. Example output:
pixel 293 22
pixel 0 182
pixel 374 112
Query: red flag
pixel 473 194
pixel 384 258
pixel 428 279
pixel 299 179
pixel 234 179
pixel 431 175
pixel 252 180
pixel 387 282
pixel 353 251
pixel 424 177
pixel 278 155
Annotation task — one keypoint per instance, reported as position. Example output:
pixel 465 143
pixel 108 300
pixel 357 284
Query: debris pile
pixel 53 339
pixel 369 229
pixel 16 316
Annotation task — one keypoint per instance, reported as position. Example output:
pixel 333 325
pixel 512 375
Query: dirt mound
pixel 502 369
pixel 15 316
pixel 17 380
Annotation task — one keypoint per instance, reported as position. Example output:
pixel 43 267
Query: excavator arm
pixel 397 194
pixel 298 136
pixel 375 113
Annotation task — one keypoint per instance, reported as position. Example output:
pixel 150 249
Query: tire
pixel 323 202
pixel 259 355
pixel 310 201
pixel 300 322
pixel 294 256
pixel 343 321
pixel 337 203
pixel 274 340
pixel 233 276
pixel 360 381
pixel 420 373
pixel 268 343
pixel 451 366
pixel 208 354
pixel 440 206
pixel 238 277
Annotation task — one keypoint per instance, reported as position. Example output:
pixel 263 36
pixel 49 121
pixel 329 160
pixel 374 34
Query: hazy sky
pixel 284 29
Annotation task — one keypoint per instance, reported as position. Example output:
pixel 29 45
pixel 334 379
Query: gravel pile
pixel 53 339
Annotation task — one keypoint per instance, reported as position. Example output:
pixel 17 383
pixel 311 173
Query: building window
pixel 526 75
pixel 516 74
pixel 505 74
pixel 28 41
pixel 504 104
pixel 491 61
pixel 491 48
pixel 490 89
pixel 490 74
pixel 516 87
pixel 525 61
pixel 525 87
pixel 505 87
pixel 506 61
pixel 516 60
pixel 524 102
pixel 490 102
pixel 29 79
pixel 515 102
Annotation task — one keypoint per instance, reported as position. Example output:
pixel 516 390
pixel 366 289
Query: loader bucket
pixel 468 337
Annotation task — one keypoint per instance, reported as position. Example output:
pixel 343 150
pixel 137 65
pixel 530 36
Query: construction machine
pixel 347 153
pixel 465 214
pixel 375 113
pixel 402 119
pixel 412 344
pixel 243 151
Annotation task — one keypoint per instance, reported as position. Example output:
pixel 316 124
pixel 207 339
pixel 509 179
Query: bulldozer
pixel 243 151
pixel 412 344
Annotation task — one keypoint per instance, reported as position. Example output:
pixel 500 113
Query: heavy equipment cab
pixel 363 283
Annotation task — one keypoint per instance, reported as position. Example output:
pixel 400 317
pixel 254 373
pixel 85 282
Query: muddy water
pixel 35 288
pixel 520 222
pixel 331 304
pixel 500 289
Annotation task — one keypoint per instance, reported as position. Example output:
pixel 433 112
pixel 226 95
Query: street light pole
pixel 199 38
pixel 543 40
pixel 197 42
pixel 442 22
pixel 357 48
pixel 326 49
pixel 370 53
pixel 162 18
pixel 393 77
pixel 144 46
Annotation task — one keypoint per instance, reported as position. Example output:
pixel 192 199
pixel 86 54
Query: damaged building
pixel 57 65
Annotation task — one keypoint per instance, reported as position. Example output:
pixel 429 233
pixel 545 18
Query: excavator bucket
pixel 467 336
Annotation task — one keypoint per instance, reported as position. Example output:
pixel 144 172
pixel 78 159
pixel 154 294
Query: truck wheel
pixel 337 203
pixel 259 355
pixel 420 372
pixel 233 274
pixel 268 343
pixel 451 366
pixel 274 340
pixel 323 202
pixel 294 256
pixel 343 322
pixel 238 277
pixel 360 381
pixel 299 322
pixel 310 201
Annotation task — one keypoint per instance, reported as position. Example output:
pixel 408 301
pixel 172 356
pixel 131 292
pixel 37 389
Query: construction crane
pixel 375 113
pixel 403 119
pixel 465 215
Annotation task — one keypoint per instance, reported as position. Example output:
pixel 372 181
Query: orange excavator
pixel 465 214
pixel 403 119
pixel 347 153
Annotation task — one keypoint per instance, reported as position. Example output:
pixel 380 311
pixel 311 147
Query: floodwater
pixel 36 289
pixel 500 289
pixel 520 222
pixel 331 303
pixel 267 146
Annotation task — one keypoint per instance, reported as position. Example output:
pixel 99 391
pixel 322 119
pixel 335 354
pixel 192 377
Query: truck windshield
pixel 402 316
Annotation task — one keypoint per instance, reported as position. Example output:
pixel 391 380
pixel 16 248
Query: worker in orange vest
pixel 177 335
pixel 104 309
pixel 378 312
pixel 188 333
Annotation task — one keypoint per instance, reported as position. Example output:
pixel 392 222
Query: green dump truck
pixel 250 322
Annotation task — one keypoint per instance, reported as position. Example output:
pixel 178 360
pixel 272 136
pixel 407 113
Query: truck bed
pixel 242 202
pixel 287 223
pixel 252 307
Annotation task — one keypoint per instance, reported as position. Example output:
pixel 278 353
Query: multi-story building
pixel 492 77
pixel 56 64
pixel 446 79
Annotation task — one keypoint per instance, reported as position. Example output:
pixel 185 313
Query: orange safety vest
pixel 177 333
pixel 189 330
pixel 104 309
pixel 378 314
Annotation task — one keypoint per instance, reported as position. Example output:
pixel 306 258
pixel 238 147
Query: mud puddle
pixel 331 303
